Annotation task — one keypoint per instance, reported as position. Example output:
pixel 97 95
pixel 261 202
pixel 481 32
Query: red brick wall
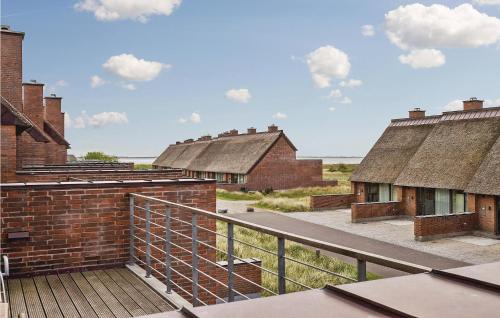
pixel 358 188
pixel 329 201
pixel 8 153
pixel 11 67
pixel 33 103
pixel 83 225
pixel 250 272
pixel 433 226
pixel 279 169
pixel 376 210
pixel 53 113
pixel 486 211
pixel 30 151
pixel 51 176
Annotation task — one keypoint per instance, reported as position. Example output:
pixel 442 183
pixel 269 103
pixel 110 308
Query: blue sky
pixel 203 49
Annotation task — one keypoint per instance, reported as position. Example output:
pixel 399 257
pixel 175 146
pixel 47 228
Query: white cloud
pixel 417 26
pixel 137 10
pixel 128 86
pixel 425 58
pixel 280 115
pixel 328 62
pixel 241 95
pixel 345 100
pixel 456 104
pixel 128 67
pixel 68 122
pixel 367 30
pixel 194 118
pixel 96 81
pixel 492 102
pixel 351 83
pixel 336 93
pixel 487 2
pixel 97 120
pixel 62 83
pixel 332 109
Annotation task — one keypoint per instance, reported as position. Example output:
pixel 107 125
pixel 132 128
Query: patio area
pixel 113 293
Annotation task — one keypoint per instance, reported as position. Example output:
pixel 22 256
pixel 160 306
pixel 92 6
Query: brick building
pixel 32 125
pixel 253 160
pixel 443 170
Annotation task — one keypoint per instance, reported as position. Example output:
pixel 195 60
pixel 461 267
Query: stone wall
pixel 436 226
pixel 331 201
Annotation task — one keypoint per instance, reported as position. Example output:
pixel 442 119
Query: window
pixel 372 192
pixel 242 178
pixel 394 193
pixel 458 201
pixel 442 201
pixel 384 191
pixel 219 177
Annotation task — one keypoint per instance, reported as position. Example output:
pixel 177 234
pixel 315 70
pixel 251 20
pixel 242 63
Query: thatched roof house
pixel 252 160
pixel 457 150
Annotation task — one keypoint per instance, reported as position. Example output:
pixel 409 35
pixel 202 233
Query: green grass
pixel 142 166
pixel 303 274
pixel 238 195
pixel 284 204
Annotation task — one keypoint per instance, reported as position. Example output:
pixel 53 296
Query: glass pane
pixel 442 201
pixel 458 202
pixel 394 193
pixel 384 190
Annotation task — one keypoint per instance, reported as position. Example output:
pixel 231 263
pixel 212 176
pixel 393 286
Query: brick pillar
pixel 33 102
pixel 8 153
pixel 53 113
pixel 11 60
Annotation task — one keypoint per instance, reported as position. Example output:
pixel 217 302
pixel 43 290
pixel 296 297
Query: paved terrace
pixel 113 293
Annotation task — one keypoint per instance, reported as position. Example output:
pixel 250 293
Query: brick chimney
pixel 251 131
pixel 11 59
pixel 187 141
pixel 473 103
pixel 233 132
pixel 178 142
pixel 53 112
pixel 272 128
pixel 416 113
pixel 205 138
pixel 33 102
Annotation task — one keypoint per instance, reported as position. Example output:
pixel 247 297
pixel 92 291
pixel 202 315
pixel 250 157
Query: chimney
pixel 205 138
pixel 416 113
pixel 33 102
pixel 251 131
pixel 53 112
pixel 187 141
pixel 178 142
pixel 272 128
pixel 11 60
pixel 233 132
pixel 472 104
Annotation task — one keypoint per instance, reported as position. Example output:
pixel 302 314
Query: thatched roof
pixel 452 152
pixel 230 154
pixel 392 151
pixel 486 180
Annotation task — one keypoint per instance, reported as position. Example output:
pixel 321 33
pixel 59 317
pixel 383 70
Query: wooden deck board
pixel 47 299
pixel 130 305
pixel 16 298
pixel 63 299
pixel 33 303
pixel 152 296
pixel 139 298
pixel 112 293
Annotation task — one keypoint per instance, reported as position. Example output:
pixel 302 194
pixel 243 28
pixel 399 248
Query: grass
pixel 142 166
pixel 300 273
pixel 284 204
pixel 238 195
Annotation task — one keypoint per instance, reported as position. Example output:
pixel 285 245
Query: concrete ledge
pixel 374 219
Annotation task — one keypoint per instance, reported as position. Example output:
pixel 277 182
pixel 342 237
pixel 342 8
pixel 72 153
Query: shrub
pixel 99 155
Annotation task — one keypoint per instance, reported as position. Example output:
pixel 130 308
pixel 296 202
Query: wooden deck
pixel 94 294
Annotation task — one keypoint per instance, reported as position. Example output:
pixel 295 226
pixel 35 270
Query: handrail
pixel 330 247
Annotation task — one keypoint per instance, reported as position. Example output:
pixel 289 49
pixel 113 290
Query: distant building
pixel 444 166
pixel 253 160
pixel 32 125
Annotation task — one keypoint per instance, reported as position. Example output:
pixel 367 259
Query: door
pixel 426 201
pixel 498 215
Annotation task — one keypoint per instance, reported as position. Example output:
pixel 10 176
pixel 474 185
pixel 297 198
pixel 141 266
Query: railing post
pixel 230 261
pixel 148 240
pixel 132 231
pixel 194 261
pixel 361 270
pixel 281 266
pixel 168 250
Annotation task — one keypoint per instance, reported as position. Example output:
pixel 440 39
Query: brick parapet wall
pixel 249 271
pixel 436 226
pixel 80 225
pixel 374 211
pixel 329 201
pixel 82 165
pixel 70 175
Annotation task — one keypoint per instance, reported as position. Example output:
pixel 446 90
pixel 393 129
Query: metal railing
pixel 152 246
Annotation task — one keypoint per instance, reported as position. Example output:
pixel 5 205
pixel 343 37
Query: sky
pixel 137 75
